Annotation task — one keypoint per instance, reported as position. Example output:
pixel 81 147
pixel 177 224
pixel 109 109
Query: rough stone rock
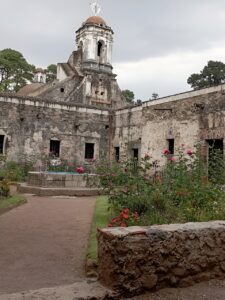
pixel 138 258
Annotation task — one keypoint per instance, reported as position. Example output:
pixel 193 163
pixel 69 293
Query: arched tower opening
pixel 99 49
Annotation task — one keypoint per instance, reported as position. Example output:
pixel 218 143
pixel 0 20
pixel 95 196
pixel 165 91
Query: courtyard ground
pixel 43 247
pixel 43 242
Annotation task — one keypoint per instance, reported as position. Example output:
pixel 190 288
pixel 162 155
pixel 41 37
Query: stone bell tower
pixel 95 41
pixel 87 78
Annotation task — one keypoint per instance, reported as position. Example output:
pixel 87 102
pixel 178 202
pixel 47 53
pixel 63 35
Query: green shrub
pixel 4 188
pixel 14 171
pixel 181 192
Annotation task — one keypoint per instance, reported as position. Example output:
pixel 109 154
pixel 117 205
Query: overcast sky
pixel 158 44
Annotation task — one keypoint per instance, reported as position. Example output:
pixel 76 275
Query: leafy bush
pixel 4 188
pixel 181 192
pixel 14 171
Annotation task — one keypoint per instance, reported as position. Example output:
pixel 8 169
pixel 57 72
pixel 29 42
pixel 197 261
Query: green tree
pixel 155 96
pixel 15 71
pixel 212 74
pixel 51 73
pixel 129 96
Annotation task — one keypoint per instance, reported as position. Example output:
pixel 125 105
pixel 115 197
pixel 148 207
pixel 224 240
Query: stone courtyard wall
pixel 135 259
pixel 30 123
pixel 188 118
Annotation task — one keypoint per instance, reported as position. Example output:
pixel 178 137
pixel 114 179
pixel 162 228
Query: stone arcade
pixel 83 115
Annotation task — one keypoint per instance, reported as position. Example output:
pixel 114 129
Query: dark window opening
pixel 171 146
pixel 2 138
pixel 96 92
pixel 89 150
pixel 117 153
pixel 54 148
pixel 100 45
pixel 102 93
pixel 62 90
pixel 135 153
pixel 106 126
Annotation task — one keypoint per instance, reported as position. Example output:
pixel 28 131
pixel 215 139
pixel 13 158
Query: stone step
pixel 43 191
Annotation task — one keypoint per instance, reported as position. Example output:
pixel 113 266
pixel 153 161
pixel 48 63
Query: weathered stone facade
pixel 189 118
pixel 135 259
pixel 85 106
pixel 29 125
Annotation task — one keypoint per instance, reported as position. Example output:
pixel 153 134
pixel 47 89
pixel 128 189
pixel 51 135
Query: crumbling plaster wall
pixel 29 125
pixel 127 130
pixel 188 118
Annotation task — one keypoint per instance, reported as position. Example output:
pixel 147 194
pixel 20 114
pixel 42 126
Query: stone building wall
pixel 188 118
pixel 28 125
pixel 135 259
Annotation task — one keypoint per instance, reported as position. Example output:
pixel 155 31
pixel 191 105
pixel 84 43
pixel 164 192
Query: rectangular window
pixel 171 146
pixel 2 138
pixel 54 148
pixel 135 153
pixel 89 150
pixel 117 153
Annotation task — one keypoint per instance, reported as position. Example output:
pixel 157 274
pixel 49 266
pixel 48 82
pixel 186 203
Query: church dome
pixel 95 20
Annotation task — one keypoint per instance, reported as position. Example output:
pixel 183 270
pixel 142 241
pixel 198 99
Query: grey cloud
pixel 44 30
pixel 142 28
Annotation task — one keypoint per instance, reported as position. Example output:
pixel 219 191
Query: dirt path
pixel 43 243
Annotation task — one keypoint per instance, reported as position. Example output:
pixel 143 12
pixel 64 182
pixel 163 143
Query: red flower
pixel 166 152
pixel 115 220
pixel 126 210
pixel 189 152
pixel 110 225
pixel 123 224
pixel 80 170
pixel 124 215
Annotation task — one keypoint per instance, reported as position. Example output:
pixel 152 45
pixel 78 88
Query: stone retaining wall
pixel 136 259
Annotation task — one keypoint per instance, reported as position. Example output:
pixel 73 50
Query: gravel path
pixel 43 243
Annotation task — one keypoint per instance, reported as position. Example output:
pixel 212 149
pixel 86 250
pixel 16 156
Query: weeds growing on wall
pixel 181 192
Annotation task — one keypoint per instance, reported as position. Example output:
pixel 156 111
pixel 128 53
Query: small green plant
pixel 4 188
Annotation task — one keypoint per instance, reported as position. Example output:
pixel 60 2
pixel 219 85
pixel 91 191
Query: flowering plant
pixel 80 170
pixel 124 219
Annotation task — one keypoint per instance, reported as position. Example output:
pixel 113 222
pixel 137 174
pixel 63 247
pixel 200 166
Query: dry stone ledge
pixel 136 259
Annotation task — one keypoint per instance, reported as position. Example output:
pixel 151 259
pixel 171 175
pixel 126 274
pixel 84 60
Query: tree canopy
pixel 129 96
pixel 15 71
pixel 51 73
pixel 212 74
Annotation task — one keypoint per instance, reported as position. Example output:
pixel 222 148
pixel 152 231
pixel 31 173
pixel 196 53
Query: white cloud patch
pixel 165 75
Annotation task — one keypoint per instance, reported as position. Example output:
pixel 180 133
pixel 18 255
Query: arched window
pixel 100 45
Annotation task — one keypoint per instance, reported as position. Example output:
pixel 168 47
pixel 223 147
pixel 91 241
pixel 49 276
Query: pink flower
pixel 171 159
pixel 147 155
pixel 166 152
pixel 189 152
pixel 80 170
